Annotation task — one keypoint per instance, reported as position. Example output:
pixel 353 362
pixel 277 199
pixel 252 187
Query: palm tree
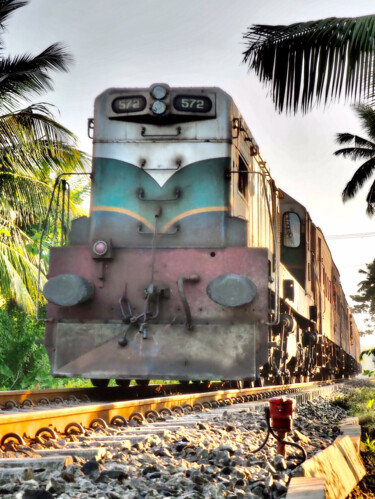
pixel 363 149
pixel 365 299
pixel 305 63
pixel 33 149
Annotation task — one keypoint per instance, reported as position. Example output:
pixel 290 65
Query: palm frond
pixel 25 196
pixel 80 191
pixel 25 74
pixel 48 159
pixel 33 143
pixel 355 153
pixel 367 117
pixel 36 116
pixel 7 7
pixel 371 201
pixel 359 178
pixel 347 138
pixel 319 60
pixel 34 147
pixel 18 271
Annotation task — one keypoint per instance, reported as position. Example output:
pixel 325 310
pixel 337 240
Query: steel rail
pixel 23 398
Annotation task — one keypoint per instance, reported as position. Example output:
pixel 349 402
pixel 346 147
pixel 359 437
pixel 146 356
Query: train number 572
pixel 192 103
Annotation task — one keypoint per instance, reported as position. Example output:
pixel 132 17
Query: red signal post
pixel 282 411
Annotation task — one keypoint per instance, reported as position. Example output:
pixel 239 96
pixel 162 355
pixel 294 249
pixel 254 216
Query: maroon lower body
pixel 120 333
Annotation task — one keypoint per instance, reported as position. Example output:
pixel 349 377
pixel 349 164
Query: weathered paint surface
pixel 169 352
pixel 117 205
pixel 131 268
pixel 222 328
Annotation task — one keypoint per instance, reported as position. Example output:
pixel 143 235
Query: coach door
pixel 239 187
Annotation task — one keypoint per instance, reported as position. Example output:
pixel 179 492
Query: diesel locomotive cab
pixel 176 272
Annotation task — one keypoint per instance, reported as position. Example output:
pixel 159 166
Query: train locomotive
pixel 193 265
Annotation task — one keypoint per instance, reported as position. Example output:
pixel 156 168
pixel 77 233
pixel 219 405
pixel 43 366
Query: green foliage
pixel 308 62
pixel 367 372
pixel 365 300
pixel 23 362
pixel 358 402
pixel 50 382
pixel 34 148
pixel 371 351
pixel 370 445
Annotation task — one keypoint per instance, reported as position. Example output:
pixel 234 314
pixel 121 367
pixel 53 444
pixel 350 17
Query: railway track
pixel 161 444
pixel 25 399
pixel 60 412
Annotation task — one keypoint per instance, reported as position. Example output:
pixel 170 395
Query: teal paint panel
pixel 202 184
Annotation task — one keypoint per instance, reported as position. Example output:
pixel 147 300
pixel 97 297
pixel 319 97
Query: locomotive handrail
pixel 276 320
pixel 321 299
pixel 90 128
pixel 181 280
pixel 44 228
pixel 160 135
pixel 170 233
pixel 141 195
pixel 236 125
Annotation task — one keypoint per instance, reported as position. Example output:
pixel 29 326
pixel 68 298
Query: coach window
pixel 291 230
pixel 243 176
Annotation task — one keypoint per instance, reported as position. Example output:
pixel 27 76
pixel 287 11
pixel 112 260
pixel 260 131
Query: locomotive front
pixel 163 281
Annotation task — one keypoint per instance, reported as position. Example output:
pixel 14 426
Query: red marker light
pixel 100 248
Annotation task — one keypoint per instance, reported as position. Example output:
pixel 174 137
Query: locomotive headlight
pixel 159 107
pixel 68 290
pixel 100 248
pixel 232 290
pixel 159 92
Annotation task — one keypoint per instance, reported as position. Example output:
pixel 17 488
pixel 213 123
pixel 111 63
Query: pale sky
pixel 128 43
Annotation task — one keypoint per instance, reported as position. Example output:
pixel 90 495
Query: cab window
pixel 243 177
pixel 291 230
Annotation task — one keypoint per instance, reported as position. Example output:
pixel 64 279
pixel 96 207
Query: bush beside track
pixel 360 403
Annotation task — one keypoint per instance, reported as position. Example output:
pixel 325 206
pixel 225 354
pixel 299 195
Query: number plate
pixel 192 103
pixel 131 104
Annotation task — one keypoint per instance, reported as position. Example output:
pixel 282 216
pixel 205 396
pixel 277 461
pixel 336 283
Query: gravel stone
pixel 228 448
pixel 55 486
pixel 114 474
pixel 280 487
pixel 91 469
pixel 34 494
pixel 258 491
pixel 279 463
pixel 28 474
pixel 68 476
